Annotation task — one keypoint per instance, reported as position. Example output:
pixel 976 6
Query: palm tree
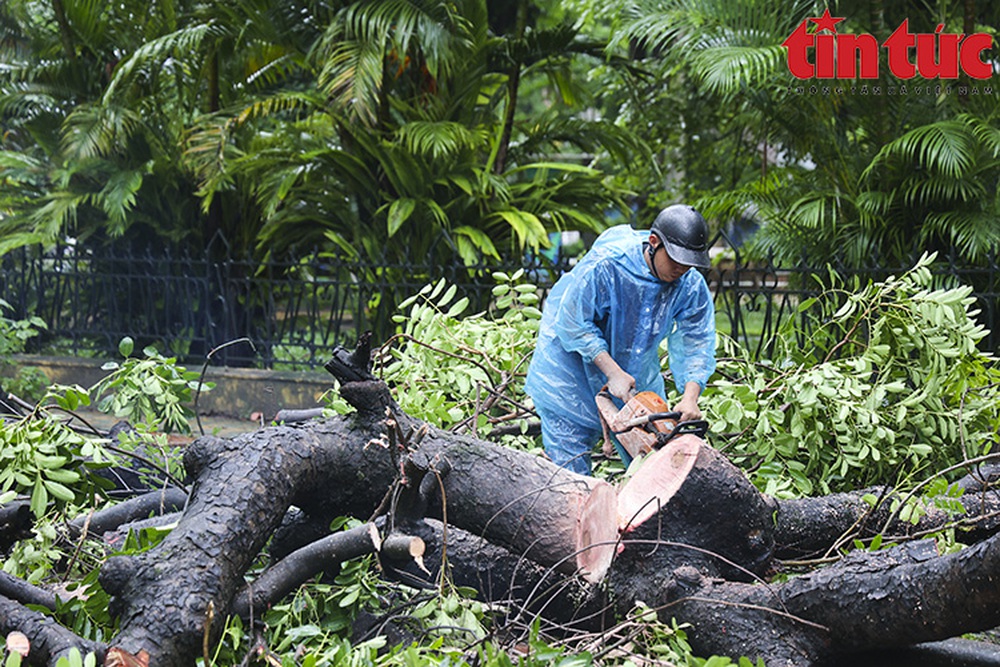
pixel 369 124
pixel 376 128
pixel 844 173
pixel 405 145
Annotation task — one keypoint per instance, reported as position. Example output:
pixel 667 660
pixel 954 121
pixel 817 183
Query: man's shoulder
pixel 693 281
pixel 617 234
pixel 616 242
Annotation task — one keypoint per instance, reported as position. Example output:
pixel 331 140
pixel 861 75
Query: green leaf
pixel 59 491
pixel 350 598
pixel 448 295
pixel 125 346
pixel 64 476
pixel 399 211
pixel 39 499
pixel 458 307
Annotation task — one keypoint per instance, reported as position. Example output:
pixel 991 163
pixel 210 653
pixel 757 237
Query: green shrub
pixel 26 382
pixel 453 370
pixel 889 386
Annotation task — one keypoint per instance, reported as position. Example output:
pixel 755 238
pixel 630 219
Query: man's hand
pixel 620 383
pixel 688 405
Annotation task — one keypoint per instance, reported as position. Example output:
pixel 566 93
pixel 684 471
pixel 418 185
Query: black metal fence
pixel 295 312
pixel 754 299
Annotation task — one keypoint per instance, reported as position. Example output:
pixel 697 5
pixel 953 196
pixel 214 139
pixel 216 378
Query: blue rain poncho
pixel 611 302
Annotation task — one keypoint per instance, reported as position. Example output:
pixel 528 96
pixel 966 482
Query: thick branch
pixel 163 501
pixel 813 526
pixel 299 566
pixel 49 640
pixel 21 591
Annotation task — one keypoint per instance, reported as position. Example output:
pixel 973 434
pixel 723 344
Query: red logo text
pixel 847 56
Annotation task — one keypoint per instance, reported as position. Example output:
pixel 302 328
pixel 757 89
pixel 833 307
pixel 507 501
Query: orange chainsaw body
pixel 630 425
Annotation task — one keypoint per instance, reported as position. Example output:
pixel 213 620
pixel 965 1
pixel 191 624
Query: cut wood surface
pixel 656 479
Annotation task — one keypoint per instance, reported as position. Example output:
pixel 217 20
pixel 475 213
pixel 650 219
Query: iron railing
pixel 753 299
pixel 296 312
pixel 292 312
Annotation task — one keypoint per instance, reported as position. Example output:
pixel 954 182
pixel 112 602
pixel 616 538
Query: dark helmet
pixel 684 234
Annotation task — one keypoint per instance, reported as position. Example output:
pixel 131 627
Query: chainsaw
pixel 644 424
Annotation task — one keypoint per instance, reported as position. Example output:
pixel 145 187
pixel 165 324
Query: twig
pixel 201 378
pixel 206 634
pixel 747 605
pixel 913 491
pixel 139 457
pixel 413 339
pixel 444 531
pixel 79 546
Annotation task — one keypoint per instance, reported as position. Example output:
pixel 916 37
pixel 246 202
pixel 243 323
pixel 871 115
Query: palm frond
pixel 95 130
pixel 57 213
pixel 945 147
pixel 89 21
pixel 985 132
pixel 473 243
pixel 352 77
pixel 372 40
pixel 975 232
pixel 927 190
pixel 528 229
pixel 117 198
pixel 726 70
pixel 553 132
pixel 288 104
pixel 150 57
pixel 438 140
pixel 727 46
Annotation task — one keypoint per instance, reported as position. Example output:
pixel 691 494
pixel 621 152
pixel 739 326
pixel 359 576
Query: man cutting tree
pixel 603 323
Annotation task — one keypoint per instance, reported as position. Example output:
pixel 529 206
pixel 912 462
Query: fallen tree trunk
pixel 172 596
pixel 695 541
pixel 892 598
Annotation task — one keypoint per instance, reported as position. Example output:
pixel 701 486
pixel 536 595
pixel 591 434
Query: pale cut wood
pixel 655 480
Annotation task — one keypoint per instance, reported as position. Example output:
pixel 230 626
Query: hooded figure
pixel 603 323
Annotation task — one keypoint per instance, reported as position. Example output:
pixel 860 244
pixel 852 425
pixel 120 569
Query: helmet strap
pixel 651 253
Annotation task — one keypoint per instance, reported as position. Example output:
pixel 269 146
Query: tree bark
pixel 21 591
pixel 290 572
pixel 49 640
pixel 164 501
pixel 814 527
pixel 505 579
pixel 170 597
pixel 516 527
pixel 898 597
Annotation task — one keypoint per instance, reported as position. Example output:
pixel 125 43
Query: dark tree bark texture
pixel 689 536
pixel 49 640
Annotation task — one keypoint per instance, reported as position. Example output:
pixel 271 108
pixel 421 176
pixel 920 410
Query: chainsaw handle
pixel 607 394
pixel 649 419
pixel 673 415
pixel 695 427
